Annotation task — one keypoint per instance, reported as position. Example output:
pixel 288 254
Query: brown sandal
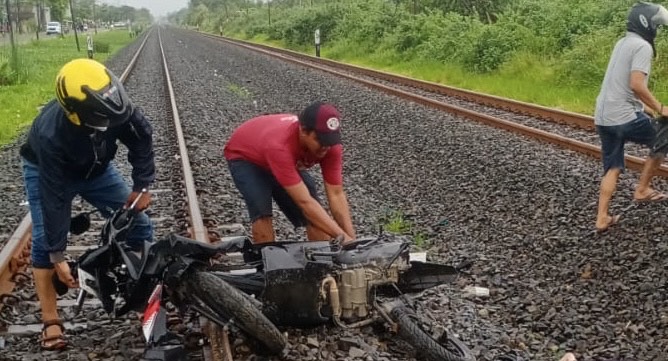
pixel 53 343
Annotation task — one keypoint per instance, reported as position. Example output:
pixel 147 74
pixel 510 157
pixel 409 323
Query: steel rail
pixel 573 119
pixel 559 116
pixel 199 231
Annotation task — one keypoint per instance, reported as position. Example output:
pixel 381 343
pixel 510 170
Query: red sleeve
pixel 284 167
pixel 332 166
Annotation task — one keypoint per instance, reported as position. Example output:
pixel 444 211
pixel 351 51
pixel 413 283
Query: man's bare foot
pixel 603 224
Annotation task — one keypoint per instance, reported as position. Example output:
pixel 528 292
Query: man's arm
pixel 639 86
pixel 338 205
pixel 314 212
pixel 138 137
pixel 56 202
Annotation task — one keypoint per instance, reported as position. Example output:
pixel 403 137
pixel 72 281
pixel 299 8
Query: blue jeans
pixel 106 192
pixel 258 186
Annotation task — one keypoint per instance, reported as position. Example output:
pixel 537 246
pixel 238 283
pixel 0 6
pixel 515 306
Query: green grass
pixel 395 222
pixel 239 91
pixel 39 63
pixel 529 79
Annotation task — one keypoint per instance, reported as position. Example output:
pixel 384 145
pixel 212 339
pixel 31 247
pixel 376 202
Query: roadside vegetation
pixel 549 52
pixel 30 84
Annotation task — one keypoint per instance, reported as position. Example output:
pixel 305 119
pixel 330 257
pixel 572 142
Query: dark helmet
pixel 645 18
pixel 91 95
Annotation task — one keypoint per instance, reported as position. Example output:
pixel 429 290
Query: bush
pixel 495 45
pixel 586 62
pixel 101 47
pixel 12 75
pixel 368 22
pixel 451 37
pixel 300 30
pixel 7 76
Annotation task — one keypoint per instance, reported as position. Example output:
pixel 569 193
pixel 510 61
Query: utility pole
pixel 94 21
pixel 18 11
pixel 74 26
pixel 38 5
pixel 15 58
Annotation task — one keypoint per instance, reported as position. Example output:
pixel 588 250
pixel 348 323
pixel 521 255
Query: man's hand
pixel 143 202
pixel 343 239
pixel 65 274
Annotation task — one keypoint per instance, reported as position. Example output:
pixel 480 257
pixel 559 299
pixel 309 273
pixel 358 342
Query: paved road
pixel 27 37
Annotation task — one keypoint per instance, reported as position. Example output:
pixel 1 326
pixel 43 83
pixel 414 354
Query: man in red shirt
pixel 268 157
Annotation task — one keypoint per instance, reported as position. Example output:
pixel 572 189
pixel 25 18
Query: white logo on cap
pixel 333 123
pixel 643 21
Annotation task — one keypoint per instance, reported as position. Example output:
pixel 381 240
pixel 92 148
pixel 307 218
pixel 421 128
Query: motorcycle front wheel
pixel 447 347
pixel 232 304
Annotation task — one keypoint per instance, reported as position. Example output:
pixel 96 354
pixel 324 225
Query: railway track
pixel 17 257
pixel 565 129
pixel 15 275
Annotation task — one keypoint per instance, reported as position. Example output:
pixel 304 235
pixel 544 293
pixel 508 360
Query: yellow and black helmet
pixel 92 95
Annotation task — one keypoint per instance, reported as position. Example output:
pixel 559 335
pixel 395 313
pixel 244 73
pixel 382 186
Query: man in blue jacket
pixel 68 152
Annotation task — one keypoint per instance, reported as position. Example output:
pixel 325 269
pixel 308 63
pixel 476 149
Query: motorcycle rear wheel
pixel 230 303
pixel 448 348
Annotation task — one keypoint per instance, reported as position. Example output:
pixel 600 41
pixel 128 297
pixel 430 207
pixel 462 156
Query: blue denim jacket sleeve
pixel 137 135
pixel 56 200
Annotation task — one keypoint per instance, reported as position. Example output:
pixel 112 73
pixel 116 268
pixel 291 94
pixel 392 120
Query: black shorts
pixel 258 187
pixel 640 130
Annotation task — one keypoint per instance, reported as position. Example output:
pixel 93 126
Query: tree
pixel 58 8
pixel 199 15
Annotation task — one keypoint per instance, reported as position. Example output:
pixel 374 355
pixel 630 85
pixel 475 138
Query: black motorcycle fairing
pixel 96 262
pixel 292 296
pixel 292 283
pixel 252 284
pixel 422 276
pixel 382 251
pixel 159 255
pixel 287 255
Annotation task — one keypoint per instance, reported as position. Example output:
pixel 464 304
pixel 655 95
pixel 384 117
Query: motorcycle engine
pixel 372 262
pixel 356 284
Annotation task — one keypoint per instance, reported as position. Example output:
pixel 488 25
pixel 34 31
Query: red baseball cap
pixel 325 120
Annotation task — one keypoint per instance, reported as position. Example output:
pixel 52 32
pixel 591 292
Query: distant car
pixel 53 27
pixel 85 27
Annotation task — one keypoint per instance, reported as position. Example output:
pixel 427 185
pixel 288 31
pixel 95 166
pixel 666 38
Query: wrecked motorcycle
pixel 304 284
pixel 173 269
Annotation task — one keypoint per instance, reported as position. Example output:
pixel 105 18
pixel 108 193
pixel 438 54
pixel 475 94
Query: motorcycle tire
pixel 231 303
pixel 448 348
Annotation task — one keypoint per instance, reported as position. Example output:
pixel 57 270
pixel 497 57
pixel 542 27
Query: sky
pixel 158 8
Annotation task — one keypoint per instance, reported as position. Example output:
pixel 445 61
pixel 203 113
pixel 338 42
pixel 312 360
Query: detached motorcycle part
pixel 61 287
pixel 291 295
pixel 165 353
pixel 660 144
pixel 447 348
pixel 231 303
pixel 80 223
pixel 422 276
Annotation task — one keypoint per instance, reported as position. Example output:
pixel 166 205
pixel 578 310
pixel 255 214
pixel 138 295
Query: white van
pixel 53 27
